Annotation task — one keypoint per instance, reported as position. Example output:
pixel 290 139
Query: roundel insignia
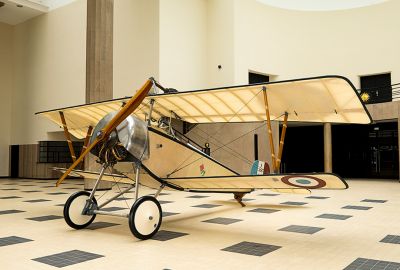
pixel 303 181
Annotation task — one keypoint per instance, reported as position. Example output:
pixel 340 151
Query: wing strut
pixel 86 142
pixel 68 137
pixel 125 111
pixel 281 142
pixel 271 140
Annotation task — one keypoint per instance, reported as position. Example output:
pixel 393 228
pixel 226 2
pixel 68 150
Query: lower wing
pixel 290 183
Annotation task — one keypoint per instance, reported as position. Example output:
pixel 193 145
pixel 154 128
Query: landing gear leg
pixel 145 216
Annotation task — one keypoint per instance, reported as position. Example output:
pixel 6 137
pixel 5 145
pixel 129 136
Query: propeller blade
pixel 127 110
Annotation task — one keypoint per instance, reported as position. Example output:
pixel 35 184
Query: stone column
pixel 327 147
pixel 99 63
pixel 99 50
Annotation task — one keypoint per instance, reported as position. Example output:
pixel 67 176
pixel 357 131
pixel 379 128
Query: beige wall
pixel 294 44
pixel 49 68
pixel 183 44
pixel 220 42
pixel 136 44
pixel 6 86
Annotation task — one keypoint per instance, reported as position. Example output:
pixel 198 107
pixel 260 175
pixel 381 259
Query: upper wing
pixel 330 99
pixel 323 99
pixel 276 182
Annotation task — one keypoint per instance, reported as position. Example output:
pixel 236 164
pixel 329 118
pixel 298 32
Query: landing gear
pixel 145 217
pixel 239 197
pixel 74 210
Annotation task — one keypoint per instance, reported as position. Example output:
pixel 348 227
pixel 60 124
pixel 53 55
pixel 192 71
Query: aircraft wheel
pixel 145 217
pixel 73 210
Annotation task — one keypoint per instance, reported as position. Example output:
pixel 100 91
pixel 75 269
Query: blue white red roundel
pixel 303 181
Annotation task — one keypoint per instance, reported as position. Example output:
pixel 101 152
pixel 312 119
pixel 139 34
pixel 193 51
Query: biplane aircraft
pixel 134 137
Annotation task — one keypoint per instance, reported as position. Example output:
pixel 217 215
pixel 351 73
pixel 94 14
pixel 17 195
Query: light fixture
pixel 1 4
pixel 365 97
pixel 20 6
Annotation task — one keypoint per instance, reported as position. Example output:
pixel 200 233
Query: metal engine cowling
pixel 131 135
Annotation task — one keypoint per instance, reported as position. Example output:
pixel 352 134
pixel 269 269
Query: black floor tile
pixel 374 201
pixel 251 248
pixel 123 199
pixel 167 214
pixel 391 239
pixel 165 202
pixel 356 207
pixel 223 221
pixel 334 216
pixel 10 197
pixel 113 208
pixel 244 200
pixel 167 235
pixel 370 264
pixel 301 229
pixel 9 189
pixel 317 197
pixel 31 191
pixel 294 203
pixel 101 225
pixel 38 200
pixel 197 196
pixel 206 205
pixel 269 194
pixel 56 193
pixel 67 258
pixel 161 194
pixel 5 212
pixel 264 210
pixel 12 240
pixel 45 218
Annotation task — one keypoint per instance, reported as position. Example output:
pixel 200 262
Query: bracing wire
pixel 218 130
pixel 262 125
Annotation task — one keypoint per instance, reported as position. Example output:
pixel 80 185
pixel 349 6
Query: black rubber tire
pixel 132 214
pixel 67 205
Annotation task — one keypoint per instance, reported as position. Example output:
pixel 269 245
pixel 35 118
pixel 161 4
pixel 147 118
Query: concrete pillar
pixel 327 147
pixel 99 50
pixel 99 63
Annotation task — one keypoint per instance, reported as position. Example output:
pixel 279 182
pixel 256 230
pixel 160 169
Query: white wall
pixel 220 42
pixel 183 44
pixel 136 44
pixel 295 44
pixel 49 68
pixel 6 86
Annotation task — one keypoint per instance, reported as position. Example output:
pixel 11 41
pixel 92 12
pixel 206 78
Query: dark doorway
pixel 14 161
pixel 257 78
pixel 361 151
pixel 303 150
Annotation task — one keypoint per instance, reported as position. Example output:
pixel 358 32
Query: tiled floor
pixel 207 231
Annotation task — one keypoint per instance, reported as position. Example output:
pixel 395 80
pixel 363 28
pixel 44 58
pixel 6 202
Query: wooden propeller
pixel 125 111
